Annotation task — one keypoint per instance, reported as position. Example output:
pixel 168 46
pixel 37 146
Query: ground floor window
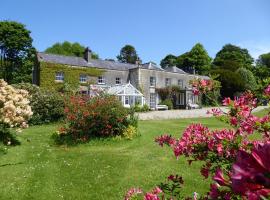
pixel 181 99
pixel 191 98
pixel 152 100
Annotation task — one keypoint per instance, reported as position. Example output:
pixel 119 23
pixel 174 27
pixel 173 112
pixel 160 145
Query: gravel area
pixel 178 114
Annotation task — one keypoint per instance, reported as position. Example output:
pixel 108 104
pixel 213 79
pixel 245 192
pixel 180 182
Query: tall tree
pixel 197 58
pixel 264 60
pixel 69 49
pixel 128 54
pixel 15 49
pixel 232 57
pixel 168 61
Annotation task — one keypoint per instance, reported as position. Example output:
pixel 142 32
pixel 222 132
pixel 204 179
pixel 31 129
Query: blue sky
pixel 155 27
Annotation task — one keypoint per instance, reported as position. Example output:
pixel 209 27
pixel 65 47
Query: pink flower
pixel 251 172
pixel 132 192
pixel 267 90
pixel 219 178
pixel 226 101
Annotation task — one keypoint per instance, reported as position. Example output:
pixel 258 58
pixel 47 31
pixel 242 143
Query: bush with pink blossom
pixel 238 166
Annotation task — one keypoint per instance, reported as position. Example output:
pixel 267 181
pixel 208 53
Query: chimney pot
pixel 87 54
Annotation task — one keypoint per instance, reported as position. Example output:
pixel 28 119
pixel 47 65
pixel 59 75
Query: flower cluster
pixel 14 106
pixel 155 194
pixel 202 86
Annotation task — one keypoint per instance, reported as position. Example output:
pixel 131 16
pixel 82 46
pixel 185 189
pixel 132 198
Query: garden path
pixel 177 114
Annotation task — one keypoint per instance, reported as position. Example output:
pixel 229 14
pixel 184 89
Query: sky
pixel 154 27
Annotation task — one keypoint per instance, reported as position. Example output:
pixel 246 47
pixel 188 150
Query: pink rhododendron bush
pixel 238 166
pixel 14 110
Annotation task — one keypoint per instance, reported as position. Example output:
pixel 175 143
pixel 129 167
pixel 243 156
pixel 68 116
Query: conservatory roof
pixel 125 90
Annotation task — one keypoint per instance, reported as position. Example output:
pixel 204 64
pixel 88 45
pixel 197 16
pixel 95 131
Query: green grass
pixel 101 169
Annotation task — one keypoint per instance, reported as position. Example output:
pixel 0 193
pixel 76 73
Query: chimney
pixel 87 54
pixel 138 61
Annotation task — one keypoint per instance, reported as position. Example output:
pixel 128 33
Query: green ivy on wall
pixel 71 75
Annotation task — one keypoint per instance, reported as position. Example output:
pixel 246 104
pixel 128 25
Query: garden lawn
pixel 101 169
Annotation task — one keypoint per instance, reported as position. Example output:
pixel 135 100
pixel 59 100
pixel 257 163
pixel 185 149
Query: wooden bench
pixel 161 107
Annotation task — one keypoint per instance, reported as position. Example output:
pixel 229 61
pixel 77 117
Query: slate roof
pixel 151 66
pixel 78 61
pixel 174 69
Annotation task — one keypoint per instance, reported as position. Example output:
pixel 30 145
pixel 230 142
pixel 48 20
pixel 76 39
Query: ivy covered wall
pixel 47 73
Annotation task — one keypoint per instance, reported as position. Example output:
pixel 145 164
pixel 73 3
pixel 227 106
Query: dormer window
pixel 59 76
pixel 117 80
pixel 83 78
pixel 101 80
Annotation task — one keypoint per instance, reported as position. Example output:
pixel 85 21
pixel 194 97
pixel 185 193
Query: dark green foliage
pixel 197 58
pixel 168 61
pixel 262 69
pixel 128 54
pixel 69 49
pixel 264 59
pixel 232 57
pixel 71 75
pixel 167 102
pixel 248 78
pixel 16 52
pixel 231 82
pixel 7 136
pixel 47 106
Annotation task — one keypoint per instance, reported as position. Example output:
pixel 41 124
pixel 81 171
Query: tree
pixel 197 58
pixel 232 57
pixel 248 79
pixel 69 49
pixel 15 48
pixel 231 82
pixel 128 54
pixel 168 61
pixel 264 60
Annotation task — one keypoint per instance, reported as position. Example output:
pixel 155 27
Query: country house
pixel 132 83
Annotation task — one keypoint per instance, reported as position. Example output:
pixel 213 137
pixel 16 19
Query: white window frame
pixel 118 81
pixel 181 98
pixel 181 83
pixel 168 81
pixel 101 80
pixel 83 78
pixel 59 76
pixel 152 81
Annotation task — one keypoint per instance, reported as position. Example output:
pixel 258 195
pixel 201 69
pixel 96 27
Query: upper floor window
pixel 167 82
pixel 59 76
pixel 180 83
pixel 83 78
pixel 101 80
pixel 152 81
pixel 117 80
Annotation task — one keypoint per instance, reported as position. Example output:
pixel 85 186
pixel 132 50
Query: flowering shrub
pixel 47 106
pixel 98 116
pixel 238 166
pixel 14 109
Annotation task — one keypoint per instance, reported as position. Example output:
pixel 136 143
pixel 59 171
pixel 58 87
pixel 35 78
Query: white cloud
pixel 256 48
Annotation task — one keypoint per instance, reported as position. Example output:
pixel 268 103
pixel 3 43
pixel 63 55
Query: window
pixel 83 78
pixel 181 99
pixel 117 81
pixel 59 76
pixel 167 82
pixel 152 81
pixel 152 100
pixel 126 100
pixel 180 83
pixel 101 80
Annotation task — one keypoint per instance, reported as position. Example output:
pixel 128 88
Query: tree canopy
pixel 232 57
pixel 168 61
pixel 15 48
pixel 197 58
pixel 248 78
pixel 128 54
pixel 69 49
pixel 264 60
